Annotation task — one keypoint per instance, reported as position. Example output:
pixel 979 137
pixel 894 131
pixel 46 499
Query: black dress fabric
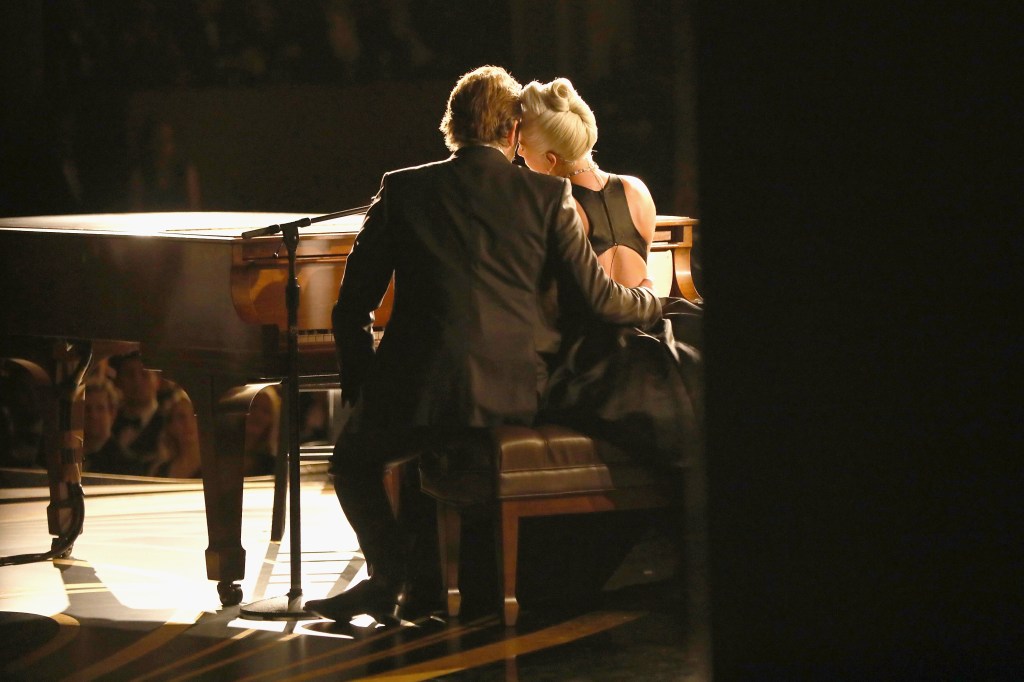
pixel 640 391
pixel 611 223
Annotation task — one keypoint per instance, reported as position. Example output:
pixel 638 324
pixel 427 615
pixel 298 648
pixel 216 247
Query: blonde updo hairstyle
pixel 556 119
pixel 482 108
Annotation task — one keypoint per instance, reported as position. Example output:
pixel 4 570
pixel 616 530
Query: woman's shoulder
pixel 641 204
pixel 635 186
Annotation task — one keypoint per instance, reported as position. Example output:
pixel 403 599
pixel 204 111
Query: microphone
pixel 274 229
pixel 302 222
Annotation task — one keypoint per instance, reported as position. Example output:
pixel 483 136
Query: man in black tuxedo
pixel 473 243
pixel 140 419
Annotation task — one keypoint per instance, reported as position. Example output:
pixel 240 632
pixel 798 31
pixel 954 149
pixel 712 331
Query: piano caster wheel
pixel 230 593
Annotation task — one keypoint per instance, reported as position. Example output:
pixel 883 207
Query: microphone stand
pixel 289 607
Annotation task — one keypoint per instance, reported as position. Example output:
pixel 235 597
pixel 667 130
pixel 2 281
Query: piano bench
pixel 542 471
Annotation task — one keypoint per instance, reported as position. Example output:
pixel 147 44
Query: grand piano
pixel 204 306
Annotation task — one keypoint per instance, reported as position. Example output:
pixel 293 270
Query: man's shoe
pixel 383 601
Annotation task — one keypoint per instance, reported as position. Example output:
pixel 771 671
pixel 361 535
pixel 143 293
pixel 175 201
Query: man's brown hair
pixel 482 108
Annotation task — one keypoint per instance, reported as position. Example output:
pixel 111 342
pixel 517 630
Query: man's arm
pixel 368 271
pixel 609 300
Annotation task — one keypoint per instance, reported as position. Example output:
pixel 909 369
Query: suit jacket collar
pixel 480 152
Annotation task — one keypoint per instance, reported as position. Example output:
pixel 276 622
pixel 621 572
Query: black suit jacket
pixel 472 242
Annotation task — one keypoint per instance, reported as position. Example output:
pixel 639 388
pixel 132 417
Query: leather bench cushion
pixel 542 461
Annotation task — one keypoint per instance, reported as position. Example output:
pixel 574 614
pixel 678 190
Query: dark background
pixel 858 192
pixel 302 105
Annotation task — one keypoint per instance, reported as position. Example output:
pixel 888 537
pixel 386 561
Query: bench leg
pixel 508 555
pixel 449 536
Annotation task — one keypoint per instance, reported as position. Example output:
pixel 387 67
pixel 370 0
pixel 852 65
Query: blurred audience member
pixel 178 447
pixel 102 452
pixel 262 429
pixel 314 420
pixel 408 53
pixel 344 61
pixel 271 52
pixel 21 420
pixel 164 178
pixel 139 420
pixel 41 173
pixel 150 52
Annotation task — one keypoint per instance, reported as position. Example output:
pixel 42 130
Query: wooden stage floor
pixel 132 602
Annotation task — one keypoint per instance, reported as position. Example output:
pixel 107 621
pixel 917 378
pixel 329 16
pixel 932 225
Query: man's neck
pixel 505 151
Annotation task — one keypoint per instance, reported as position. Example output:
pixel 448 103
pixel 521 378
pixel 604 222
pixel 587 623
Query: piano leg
pixel 57 371
pixel 64 463
pixel 223 470
pixel 64 459
pixel 682 280
pixel 221 399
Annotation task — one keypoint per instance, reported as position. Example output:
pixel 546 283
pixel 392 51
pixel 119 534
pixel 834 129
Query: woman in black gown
pixel 640 391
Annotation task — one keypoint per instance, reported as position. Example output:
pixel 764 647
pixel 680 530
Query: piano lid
pixel 205 225
pixel 210 225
